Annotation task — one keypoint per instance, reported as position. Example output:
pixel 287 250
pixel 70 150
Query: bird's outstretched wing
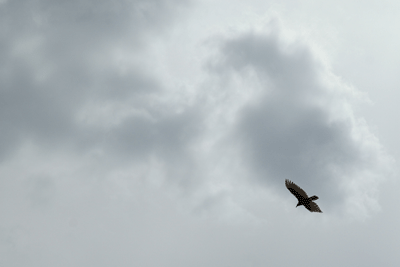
pixel 295 189
pixel 313 207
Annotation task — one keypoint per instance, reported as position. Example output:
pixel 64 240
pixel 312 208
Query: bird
pixel 302 197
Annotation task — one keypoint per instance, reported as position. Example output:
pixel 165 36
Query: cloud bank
pixel 102 143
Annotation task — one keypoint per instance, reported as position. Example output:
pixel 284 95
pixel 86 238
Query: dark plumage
pixel 302 197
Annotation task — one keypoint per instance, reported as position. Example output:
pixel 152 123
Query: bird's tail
pixel 313 198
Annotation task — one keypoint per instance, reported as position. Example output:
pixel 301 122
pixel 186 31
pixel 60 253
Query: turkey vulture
pixel 302 197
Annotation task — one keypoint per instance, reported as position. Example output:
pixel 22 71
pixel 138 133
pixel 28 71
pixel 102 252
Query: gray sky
pixel 160 133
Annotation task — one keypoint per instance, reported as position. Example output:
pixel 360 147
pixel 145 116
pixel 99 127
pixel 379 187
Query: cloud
pixel 75 76
pixel 84 119
pixel 61 59
pixel 118 136
pixel 298 123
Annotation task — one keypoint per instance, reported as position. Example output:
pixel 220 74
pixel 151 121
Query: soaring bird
pixel 302 197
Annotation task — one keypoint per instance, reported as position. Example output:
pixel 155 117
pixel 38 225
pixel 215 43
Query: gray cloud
pixel 108 156
pixel 168 135
pixel 59 57
pixel 290 129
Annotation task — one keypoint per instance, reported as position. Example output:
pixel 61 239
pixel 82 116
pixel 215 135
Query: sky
pixel 160 133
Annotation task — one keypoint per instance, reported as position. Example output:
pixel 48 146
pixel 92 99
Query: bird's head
pixel 298 204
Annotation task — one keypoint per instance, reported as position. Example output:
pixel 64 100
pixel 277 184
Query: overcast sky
pixel 160 133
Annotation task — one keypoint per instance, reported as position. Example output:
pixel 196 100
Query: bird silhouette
pixel 302 197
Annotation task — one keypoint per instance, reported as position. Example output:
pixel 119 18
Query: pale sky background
pixel 160 133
